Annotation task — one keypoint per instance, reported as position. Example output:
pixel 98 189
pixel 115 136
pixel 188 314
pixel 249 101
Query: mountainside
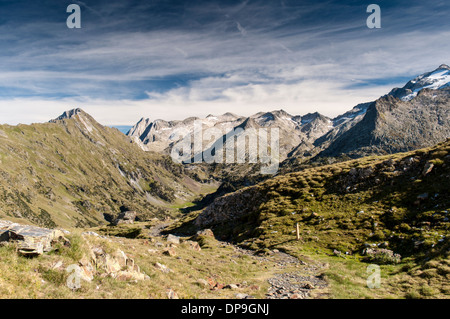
pixel 73 171
pixel 392 125
pixel 408 118
pixel 391 209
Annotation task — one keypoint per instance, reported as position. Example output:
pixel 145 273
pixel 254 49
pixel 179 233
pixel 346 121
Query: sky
pixel 174 59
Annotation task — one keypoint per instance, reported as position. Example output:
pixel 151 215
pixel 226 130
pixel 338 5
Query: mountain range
pixel 414 116
pixel 75 171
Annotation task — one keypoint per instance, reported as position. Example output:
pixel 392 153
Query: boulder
pixel 170 252
pixel 116 265
pixel 173 239
pixel 127 217
pixel 193 245
pixel 206 232
pixel 31 240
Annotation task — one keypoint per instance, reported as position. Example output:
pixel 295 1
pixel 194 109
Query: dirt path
pixel 306 282
pixel 294 278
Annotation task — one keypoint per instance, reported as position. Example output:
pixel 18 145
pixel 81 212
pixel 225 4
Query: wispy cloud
pixel 170 61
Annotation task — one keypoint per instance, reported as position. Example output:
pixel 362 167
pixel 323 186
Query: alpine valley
pixel 368 188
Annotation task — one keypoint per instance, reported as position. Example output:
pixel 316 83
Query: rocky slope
pixel 385 210
pixel 73 171
pixel 362 200
pixel 392 125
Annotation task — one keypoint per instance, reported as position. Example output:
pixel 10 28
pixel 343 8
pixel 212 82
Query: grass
pixel 344 207
pixel 22 277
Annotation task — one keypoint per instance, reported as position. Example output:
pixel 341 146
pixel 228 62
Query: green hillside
pixel 74 172
pixel 388 205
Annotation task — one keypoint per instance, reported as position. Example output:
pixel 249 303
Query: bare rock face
pixel 32 240
pixel 231 207
pixel 392 125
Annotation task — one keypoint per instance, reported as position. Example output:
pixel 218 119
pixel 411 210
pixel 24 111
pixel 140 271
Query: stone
pixel 171 294
pixel 193 245
pixel 203 282
pixel 231 286
pixel 162 267
pixel 337 253
pixel 112 265
pixel 423 196
pixel 125 275
pixel 58 265
pixel 218 286
pixel 87 269
pixel 427 169
pixel 32 240
pixel 381 255
pixel 123 260
pixel 308 286
pixel 206 232
pixel 211 282
pixel 90 233
pixel 127 217
pixel 170 252
pixel 98 251
pixel 173 239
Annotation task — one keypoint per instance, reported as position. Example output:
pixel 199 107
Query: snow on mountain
pixel 300 136
pixel 435 80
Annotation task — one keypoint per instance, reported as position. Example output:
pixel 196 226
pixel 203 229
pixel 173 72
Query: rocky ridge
pixel 407 118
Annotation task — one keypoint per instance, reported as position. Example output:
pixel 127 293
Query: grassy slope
pixel 46 276
pixel 344 206
pixel 64 174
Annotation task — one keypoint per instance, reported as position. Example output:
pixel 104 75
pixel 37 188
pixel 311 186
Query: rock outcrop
pixel 127 217
pixel 32 240
pixel 115 265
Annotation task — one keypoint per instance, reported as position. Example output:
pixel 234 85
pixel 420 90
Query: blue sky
pixel 174 59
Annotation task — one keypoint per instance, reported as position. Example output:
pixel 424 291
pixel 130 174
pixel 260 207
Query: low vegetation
pixel 396 205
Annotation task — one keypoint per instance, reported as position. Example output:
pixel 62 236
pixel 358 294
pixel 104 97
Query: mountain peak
pixel 435 80
pixel 68 114
pixel 84 120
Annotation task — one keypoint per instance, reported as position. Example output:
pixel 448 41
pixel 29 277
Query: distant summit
pixel 68 115
pixel 435 80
